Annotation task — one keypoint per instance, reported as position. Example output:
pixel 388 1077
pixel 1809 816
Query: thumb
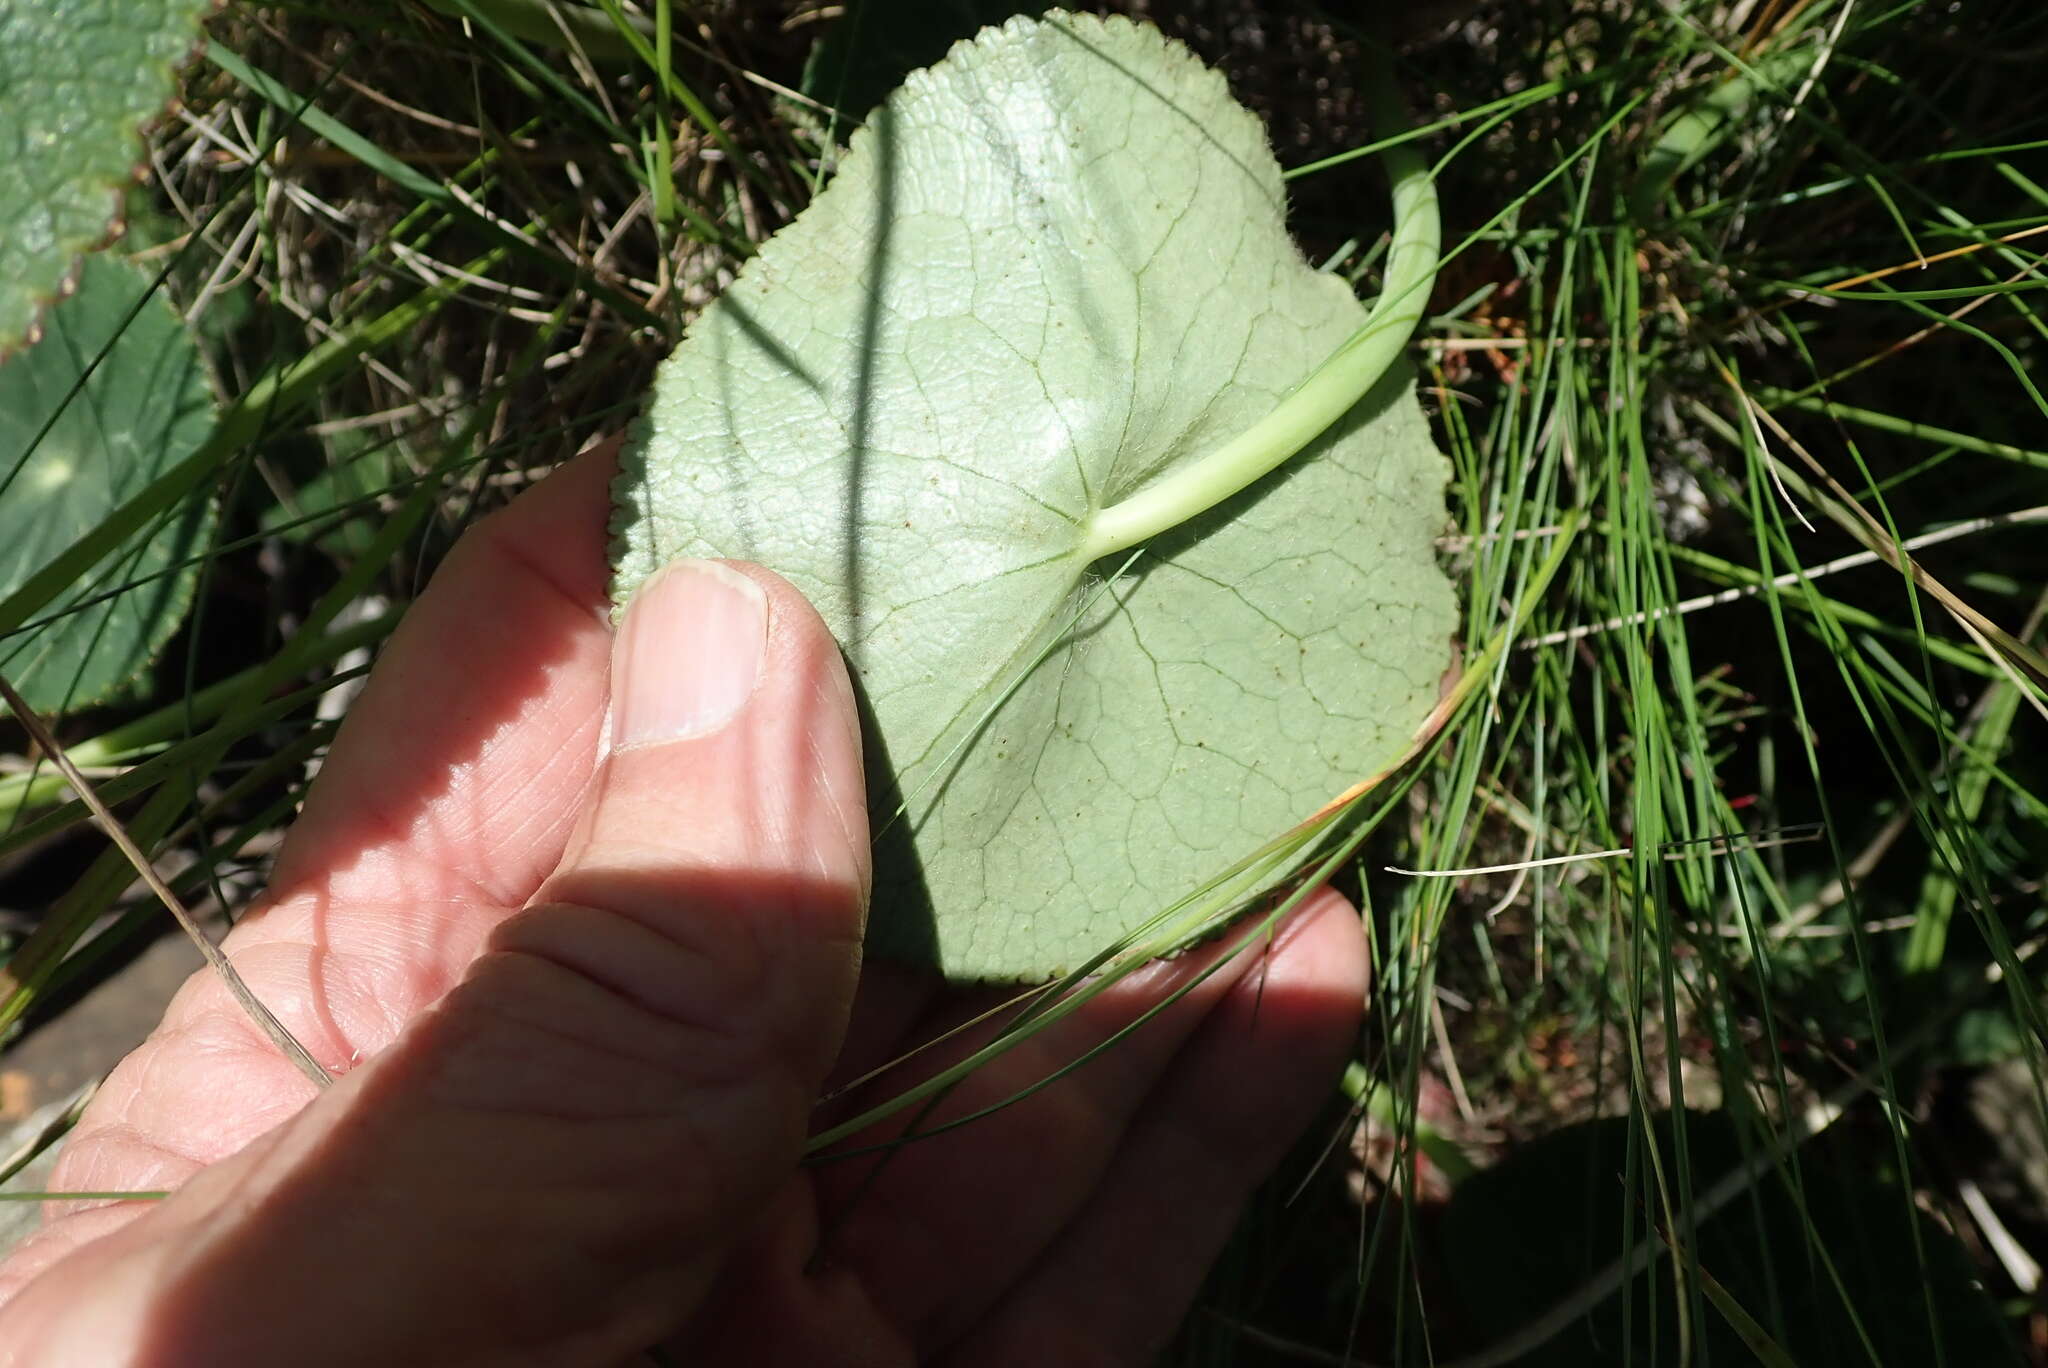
pixel 547 1166
pixel 726 838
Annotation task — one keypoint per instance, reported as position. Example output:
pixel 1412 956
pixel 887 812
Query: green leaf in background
pixel 145 408
pixel 335 507
pixel 1052 267
pixel 77 79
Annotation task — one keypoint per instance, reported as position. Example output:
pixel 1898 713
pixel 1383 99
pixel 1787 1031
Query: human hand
pixel 580 998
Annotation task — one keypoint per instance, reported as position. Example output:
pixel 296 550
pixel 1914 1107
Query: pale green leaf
pixel 77 78
pixel 1051 268
pixel 144 408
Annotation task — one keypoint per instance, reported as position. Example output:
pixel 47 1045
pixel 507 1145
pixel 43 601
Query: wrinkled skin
pixel 580 1001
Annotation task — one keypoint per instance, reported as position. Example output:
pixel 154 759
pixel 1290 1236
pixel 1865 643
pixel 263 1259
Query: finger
pixel 1116 1283
pixel 444 801
pixel 580 1124
pixel 744 846
pixel 937 1229
pixel 457 775
pixel 447 797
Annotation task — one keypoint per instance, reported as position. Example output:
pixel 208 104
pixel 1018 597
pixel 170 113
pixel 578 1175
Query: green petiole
pixel 1328 393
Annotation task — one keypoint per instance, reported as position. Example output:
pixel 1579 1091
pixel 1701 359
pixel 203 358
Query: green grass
pixel 1699 388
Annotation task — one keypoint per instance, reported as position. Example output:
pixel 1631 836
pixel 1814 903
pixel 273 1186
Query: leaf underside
pixel 144 408
pixel 80 77
pixel 1051 267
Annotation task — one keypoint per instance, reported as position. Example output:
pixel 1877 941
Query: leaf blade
pixel 81 77
pixel 1051 269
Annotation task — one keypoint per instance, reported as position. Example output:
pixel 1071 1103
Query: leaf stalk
pixel 1331 390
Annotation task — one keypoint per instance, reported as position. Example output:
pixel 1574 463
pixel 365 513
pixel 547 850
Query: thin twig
pixel 1672 850
pixel 1852 561
pixel 2020 1266
pixel 261 1015
pixel 1452 1075
pixel 2003 649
